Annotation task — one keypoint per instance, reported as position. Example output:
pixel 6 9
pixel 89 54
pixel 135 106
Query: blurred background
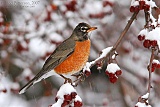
pixel 30 30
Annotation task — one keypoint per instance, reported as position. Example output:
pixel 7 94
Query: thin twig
pixel 150 69
pixel 121 37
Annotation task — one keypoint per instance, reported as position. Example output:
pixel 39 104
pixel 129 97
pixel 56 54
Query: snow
pixel 97 7
pixel 2 87
pixel 146 96
pixel 26 72
pixel 65 89
pixel 3 54
pixel 34 47
pixel 11 100
pixel 155 61
pixel 112 68
pixel 143 32
pixel 134 3
pixel 139 104
pixel 87 67
pixel 78 98
pixel 56 37
pixel 154 34
pixel 58 103
pixel 15 85
pixel 152 3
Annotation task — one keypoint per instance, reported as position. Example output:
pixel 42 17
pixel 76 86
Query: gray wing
pixel 59 55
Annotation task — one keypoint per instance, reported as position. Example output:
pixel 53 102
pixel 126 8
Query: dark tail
pixel 29 84
pixel 36 79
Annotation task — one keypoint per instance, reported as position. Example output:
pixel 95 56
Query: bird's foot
pixel 80 77
pixel 67 80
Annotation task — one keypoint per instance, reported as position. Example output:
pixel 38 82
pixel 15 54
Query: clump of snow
pixel 27 72
pixel 154 34
pixel 155 61
pixel 143 32
pixel 112 68
pixel 15 85
pixel 87 67
pixel 65 89
pixel 78 98
pixel 134 3
pixel 145 96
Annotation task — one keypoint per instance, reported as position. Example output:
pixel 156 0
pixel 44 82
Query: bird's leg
pixel 67 80
pixel 80 77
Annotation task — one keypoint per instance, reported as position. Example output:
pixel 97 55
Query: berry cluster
pixel 139 5
pixel 113 71
pixel 71 6
pixel 69 99
pixel 151 38
pixel 155 64
pixel 67 96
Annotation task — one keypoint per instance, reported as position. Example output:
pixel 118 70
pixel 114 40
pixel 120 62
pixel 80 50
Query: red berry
pixel 73 95
pixel 54 7
pixel 146 7
pixel 136 9
pixel 107 73
pixel 141 38
pixel 154 43
pixel 152 69
pixel 77 104
pixel 71 6
pixel 111 75
pixel 141 4
pixel 56 99
pixel 119 72
pixel 113 79
pixel 68 97
pixel 4 90
pixel 154 65
pixel 132 9
pixel 147 43
pixel 65 103
pixel 158 65
pixel 87 73
pixel 6 41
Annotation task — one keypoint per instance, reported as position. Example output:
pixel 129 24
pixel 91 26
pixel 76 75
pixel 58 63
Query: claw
pixel 67 80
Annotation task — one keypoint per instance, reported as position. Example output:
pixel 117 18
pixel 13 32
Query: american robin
pixel 68 58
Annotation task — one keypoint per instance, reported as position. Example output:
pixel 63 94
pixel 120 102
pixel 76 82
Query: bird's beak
pixel 91 28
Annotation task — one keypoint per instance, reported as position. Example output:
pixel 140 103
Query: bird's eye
pixel 84 29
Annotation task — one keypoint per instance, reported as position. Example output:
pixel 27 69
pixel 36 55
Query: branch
pixel 110 51
pixel 150 69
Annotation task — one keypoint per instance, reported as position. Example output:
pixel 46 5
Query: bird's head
pixel 81 31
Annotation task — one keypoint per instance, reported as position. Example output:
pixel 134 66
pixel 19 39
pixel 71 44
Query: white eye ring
pixel 84 29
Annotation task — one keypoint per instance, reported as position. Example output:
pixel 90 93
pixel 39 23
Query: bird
pixel 68 58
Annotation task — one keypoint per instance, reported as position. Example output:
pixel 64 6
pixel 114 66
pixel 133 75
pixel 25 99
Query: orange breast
pixel 76 60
